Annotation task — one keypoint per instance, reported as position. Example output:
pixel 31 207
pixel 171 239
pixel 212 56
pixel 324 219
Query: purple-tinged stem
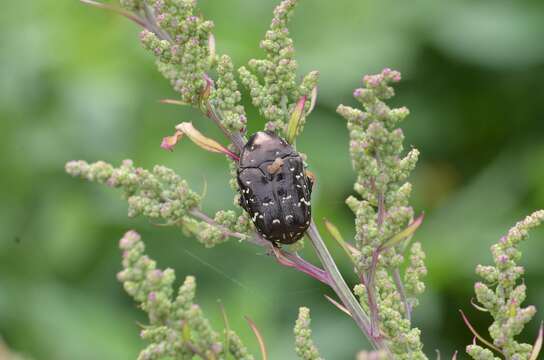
pixel 293 260
pixel 372 303
pixel 236 138
pixel 338 284
pixel 402 292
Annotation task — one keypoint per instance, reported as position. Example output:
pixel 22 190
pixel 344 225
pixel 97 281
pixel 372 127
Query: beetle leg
pixel 311 178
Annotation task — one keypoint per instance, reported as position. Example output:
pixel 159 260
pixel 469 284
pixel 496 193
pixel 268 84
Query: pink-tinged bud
pixel 174 49
pixel 152 296
pixel 160 18
pixel 156 275
pixel 391 75
pixel 169 142
pixel 129 239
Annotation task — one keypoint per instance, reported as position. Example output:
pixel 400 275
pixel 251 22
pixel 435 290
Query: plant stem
pixel 370 288
pixel 150 16
pixel 402 292
pixel 340 287
pixel 236 138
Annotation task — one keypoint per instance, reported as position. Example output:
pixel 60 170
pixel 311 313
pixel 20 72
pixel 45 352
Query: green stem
pixel 341 289
pixel 402 292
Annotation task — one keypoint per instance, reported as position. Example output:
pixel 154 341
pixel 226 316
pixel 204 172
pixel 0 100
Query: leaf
pixel 538 343
pixel 260 339
pixel 168 142
pixel 173 102
pixel 349 249
pixel 227 327
pixel 313 100
pixel 478 307
pixel 338 305
pixel 404 234
pixel 204 142
pixel 477 335
pixel 294 122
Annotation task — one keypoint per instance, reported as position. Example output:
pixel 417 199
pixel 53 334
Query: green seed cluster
pixel 237 348
pixel 502 293
pixel 159 194
pixel 179 38
pixel 272 81
pixel 479 353
pixel 382 210
pixel 177 327
pixel 183 43
pixel 226 97
pixel 224 223
pixel 162 195
pixel 376 148
pixel 414 273
pixel 304 346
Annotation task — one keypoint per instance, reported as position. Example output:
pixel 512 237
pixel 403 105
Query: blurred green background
pixel 75 84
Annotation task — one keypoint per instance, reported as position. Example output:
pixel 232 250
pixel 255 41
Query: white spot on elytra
pixel 255 216
pixel 275 221
pixel 288 217
pixel 248 182
pixel 292 169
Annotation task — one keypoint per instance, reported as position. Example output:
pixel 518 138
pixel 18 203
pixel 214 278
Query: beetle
pixel 274 188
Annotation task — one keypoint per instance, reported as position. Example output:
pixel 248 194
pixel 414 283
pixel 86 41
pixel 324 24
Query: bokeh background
pixel 75 84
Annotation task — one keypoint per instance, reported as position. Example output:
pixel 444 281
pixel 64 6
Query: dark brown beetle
pixel 274 188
